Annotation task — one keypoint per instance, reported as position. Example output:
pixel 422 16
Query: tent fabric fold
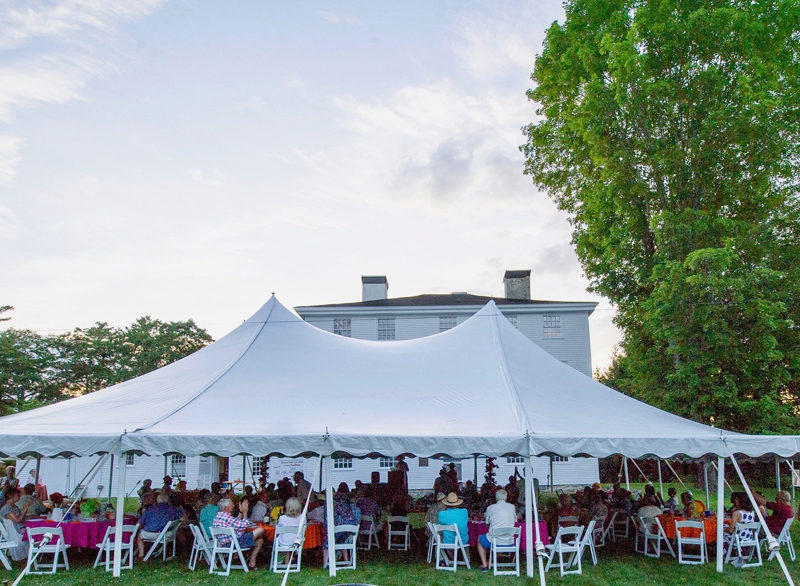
pixel 277 385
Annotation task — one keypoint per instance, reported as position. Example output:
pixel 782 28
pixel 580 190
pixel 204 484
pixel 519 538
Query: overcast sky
pixel 186 159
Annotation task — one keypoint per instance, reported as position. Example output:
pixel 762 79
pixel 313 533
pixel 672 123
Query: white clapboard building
pixel 559 327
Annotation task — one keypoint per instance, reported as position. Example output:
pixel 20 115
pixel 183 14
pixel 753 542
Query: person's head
pixel 649 500
pixel 176 499
pixel 744 504
pixel 225 504
pixel 202 496
pixel 182 485
pixel 564 499
pixel 163 497
pixel 292 507
pixel 298 476
pixel 29 488
pixel 263 496
pixel 452 466
pixel 343 489
pixel 148 499
pixel 11 494
pixel 215 487
pixel 783 497
pixel 147 483
pixel 400 458
pixel 686 497
pixel 248 490
pixel 168 481
pixel 649 489
pixel 452 500
pixel 11 471
pixel 501 495
pixel 671 492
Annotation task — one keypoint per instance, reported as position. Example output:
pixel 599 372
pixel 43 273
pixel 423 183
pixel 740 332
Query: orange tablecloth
pixel 709 526
pixel 314 534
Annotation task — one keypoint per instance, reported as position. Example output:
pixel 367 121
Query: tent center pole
pixel 531 507
pixel 777 474
pixel 331 553
pixel 720 509
pixel 120 512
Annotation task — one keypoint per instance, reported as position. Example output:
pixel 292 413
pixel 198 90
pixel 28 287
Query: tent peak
pixel 273 311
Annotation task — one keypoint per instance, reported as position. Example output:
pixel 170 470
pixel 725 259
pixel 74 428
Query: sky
pixel 187 159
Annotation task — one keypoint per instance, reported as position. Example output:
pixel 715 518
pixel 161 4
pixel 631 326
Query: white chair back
pixel 456 546
pixel 785 538
pixel 200 547
pixel 567 541
pixel 684 540
pixel 505 541
pixel 106 547
pixel 225 550
pixel 346 548
pixel 40 546
pixel 398 526
pixel 281 554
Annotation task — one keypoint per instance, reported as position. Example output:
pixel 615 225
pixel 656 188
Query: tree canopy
pixel 668 130
pixel 39 369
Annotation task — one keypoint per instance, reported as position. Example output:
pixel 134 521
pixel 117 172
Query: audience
pixel 154 518
pixel 781 510
pixel 500 514
pixel 454 514
pixel 209 510
pixel 10 510
pixel 29 503
pixel 692 508
pixel 253 539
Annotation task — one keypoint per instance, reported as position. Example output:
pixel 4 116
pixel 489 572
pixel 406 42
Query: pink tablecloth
pixel 477 528
pixel 79 533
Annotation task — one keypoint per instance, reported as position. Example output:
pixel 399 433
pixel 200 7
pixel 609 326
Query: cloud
pixel 334 18
pixel 9 157
pixel 252 103
pixel 26 20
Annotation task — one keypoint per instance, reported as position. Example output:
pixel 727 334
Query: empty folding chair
pixel 398 527
pixel 39 547
pixel 168 535
pixel 567 521
pixel 785 538
pixel 347 548
pixel 599 532
pixel 443 562
pixel 107 547
pixel 745 540
pixel 368 531
pixel 226 550
pixel 566 543
pixel 200 547
pixel 586 541
pixel 683 532
pixel 279 550
pixel 505 541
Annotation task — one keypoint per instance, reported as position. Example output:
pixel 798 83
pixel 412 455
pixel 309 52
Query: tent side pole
pixel 660 482
pixel 329 515
pixel 720 509
pixel 532 507
pixel 111 476
pixel 705 481
pixel 777 474
pixel 627 477
pixel 773 544
pixel 120 512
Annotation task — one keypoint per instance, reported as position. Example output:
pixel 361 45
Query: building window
pixel 129 458
pixel 388 462
pixel 341 326
pixel 446 322
pixel 515 460
pixel 342 463
pixel 422 462
pixel 551 326
pixel 560 459
pixel 258 467
pixel 178 465
pixel 386 329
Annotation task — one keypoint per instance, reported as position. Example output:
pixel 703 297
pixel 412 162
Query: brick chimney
pixel 374 288
pixel 517 284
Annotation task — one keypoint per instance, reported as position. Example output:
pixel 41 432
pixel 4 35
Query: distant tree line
pixel 37 369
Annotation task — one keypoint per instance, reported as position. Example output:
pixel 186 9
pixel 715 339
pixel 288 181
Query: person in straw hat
pixel 454 513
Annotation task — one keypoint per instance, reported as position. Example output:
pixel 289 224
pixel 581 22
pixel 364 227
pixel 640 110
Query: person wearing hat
pixel 454 513
pixel 432 515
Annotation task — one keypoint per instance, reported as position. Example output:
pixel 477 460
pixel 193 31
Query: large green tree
pixel 669 130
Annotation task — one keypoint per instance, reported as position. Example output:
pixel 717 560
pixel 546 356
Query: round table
pixel 709 527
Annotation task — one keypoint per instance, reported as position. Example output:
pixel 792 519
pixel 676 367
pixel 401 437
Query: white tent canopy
pixel 277 385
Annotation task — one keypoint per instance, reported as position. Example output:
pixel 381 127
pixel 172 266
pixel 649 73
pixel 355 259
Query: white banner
pixel 283 467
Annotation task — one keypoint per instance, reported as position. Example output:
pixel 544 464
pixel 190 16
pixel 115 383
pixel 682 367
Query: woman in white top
pixel 290 517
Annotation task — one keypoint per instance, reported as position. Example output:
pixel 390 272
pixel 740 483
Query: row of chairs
pixel 569 545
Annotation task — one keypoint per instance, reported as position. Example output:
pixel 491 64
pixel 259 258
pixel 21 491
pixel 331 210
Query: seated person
pixel 781 510
pixel 650 491
pixel 500 514
pixel 11 511
pixel 454 514
pixel 316 510
pixel 692 508
pixel 566 508
pixel 147 486
pixel 672 500
pixel 432 515
pixel 209 511
pixel 648 511
pixel 367 504
pixel 254 539
pixel 259 511
pixel 153 520
pixel 344 512
pixel 742 512
pixel 290 518
pixel 29 503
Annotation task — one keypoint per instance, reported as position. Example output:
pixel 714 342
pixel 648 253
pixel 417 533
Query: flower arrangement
pixel 89 507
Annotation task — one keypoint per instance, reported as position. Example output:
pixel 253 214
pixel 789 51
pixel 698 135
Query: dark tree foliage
pixel 669 132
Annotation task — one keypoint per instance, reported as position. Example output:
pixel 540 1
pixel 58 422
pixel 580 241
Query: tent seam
pixel 216 378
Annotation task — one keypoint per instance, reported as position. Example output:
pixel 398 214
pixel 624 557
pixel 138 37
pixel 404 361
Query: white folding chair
pixel 37 548
pixel 431 539
pixel 404 533
pixel 785 538
pixel 505 541
pixel 567 520
pixel 653 535
pixel 169 534
pixel 368 530
pixel 200 547
pixel 12 541
pixel 7 545
pixel 567 541
pixel 277 564
pixel 456 546
pixel 684 540
pixel 745 538
pixel 225 552
pixel 107 547
pixel 586 541
pixel 599 532
pixel 347 548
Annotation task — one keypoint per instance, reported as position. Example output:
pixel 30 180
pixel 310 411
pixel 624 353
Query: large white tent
pixel 277 385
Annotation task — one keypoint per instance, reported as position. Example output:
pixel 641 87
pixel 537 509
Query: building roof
pixel 437 299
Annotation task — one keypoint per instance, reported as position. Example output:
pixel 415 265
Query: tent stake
pixel 720 510
pixel 773 544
